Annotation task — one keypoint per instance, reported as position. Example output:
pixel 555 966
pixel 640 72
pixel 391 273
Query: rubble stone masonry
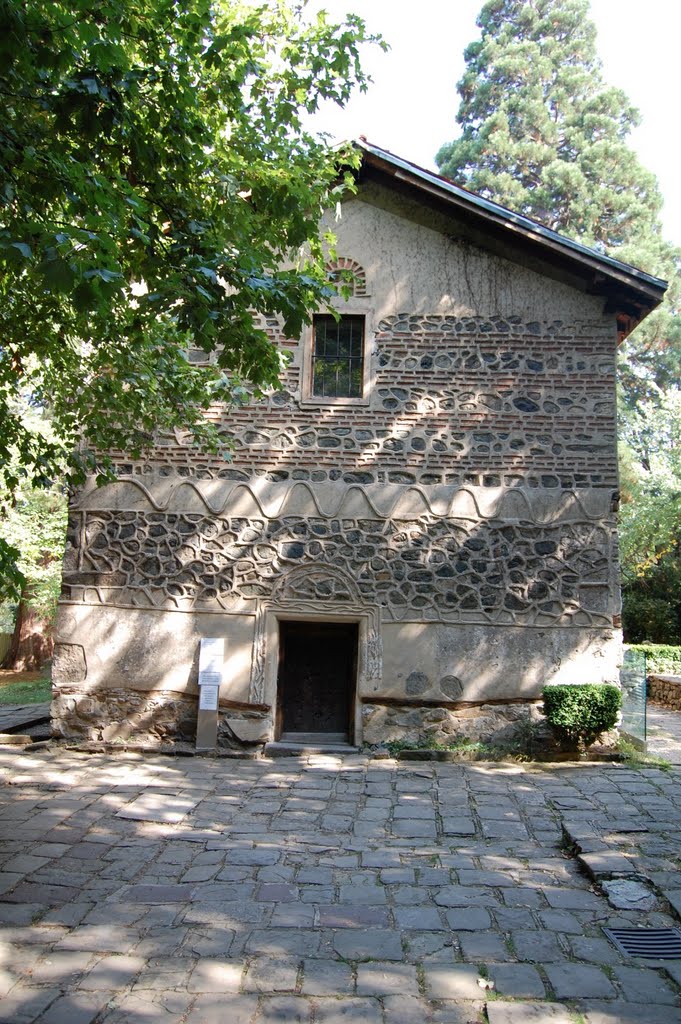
pixel 665 690
pixel 462 512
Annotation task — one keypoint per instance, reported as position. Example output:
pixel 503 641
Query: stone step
pixel 286 749
pixel 323 738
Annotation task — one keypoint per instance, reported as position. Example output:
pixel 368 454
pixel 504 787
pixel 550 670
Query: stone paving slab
pixel 528 1013
pixel 14 716
pixel 664 733
pixel 154 806
pixel 329 889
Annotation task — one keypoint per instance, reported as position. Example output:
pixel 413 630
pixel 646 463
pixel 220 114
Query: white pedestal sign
pixel 211 657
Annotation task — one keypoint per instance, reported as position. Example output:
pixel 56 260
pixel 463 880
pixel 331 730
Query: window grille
pixel 338 357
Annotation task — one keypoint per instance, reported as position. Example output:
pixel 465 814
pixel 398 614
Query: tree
pixel 33 531
pixel 35 527
pixel 157 189
pixel 544 135
pixel 650 520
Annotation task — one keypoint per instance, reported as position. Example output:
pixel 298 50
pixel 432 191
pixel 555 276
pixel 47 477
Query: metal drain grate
pixel 651 943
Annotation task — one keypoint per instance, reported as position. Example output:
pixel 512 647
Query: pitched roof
pixel 630 293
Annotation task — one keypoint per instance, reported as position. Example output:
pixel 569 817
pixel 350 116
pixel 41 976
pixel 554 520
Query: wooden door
pixel 316 689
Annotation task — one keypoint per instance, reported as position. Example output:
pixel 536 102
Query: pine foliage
pixel 546 136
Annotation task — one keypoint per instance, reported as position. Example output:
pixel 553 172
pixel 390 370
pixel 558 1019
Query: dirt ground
pixel 7 676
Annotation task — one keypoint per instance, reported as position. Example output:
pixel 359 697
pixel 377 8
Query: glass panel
pixel 337 361
pixel 322 338
pixel 344 347
pixel 633 682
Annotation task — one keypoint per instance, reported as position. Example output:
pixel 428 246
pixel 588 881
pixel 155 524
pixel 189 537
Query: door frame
pixel 266 654
pixel 274 618
pixel 316 593
pixel 352 680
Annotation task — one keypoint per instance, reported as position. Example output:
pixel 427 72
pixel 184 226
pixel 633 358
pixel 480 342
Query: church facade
pixel 413 536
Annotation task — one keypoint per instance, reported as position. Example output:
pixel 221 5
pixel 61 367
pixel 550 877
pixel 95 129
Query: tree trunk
pixel 32 642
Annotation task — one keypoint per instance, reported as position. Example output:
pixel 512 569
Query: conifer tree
pixel 545 135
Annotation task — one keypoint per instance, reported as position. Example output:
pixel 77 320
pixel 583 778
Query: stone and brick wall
pixel 455 401
pixel 454 569
pixel 464 512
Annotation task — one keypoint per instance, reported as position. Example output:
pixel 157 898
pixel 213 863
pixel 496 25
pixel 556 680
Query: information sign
pixel 211 657
pixel 208 698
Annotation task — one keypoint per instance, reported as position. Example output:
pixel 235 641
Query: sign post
pixel 211 657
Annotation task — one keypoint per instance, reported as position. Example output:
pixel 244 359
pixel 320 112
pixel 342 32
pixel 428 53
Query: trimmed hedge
pixel 662 659
pixel 580 713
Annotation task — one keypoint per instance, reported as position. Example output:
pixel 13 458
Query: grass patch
pixel 522 747
pixel 635 758
pixel 469 748
pixel 27 691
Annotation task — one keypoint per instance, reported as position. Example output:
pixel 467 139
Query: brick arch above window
pixel 335 267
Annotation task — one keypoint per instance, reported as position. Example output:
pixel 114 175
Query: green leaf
pixel 23 248
pixel 59 276
pixel 103 274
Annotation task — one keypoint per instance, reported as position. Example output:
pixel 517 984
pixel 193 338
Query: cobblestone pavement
pixel 664 732
pixel 330 890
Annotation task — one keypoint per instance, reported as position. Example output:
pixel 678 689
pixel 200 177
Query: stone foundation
pixel 485 723
pixel 122 715
pixel 665 690
pixel 166 717
pixel 149 719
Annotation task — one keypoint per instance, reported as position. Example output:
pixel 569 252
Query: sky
pixel 411 106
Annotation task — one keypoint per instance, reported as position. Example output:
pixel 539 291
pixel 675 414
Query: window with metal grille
pixel 338 357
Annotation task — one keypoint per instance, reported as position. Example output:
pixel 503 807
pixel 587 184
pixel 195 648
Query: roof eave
pixel 631 293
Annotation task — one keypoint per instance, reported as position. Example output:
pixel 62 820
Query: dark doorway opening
pixel 316 686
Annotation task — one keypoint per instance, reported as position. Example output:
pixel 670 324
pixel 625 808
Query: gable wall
pixel 464 510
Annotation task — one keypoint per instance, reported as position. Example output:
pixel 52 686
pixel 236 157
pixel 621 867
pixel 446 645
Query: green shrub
pixel 660 658
pixel 580 713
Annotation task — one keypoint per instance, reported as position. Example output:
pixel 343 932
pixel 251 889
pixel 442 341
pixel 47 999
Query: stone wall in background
pixel 665 690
